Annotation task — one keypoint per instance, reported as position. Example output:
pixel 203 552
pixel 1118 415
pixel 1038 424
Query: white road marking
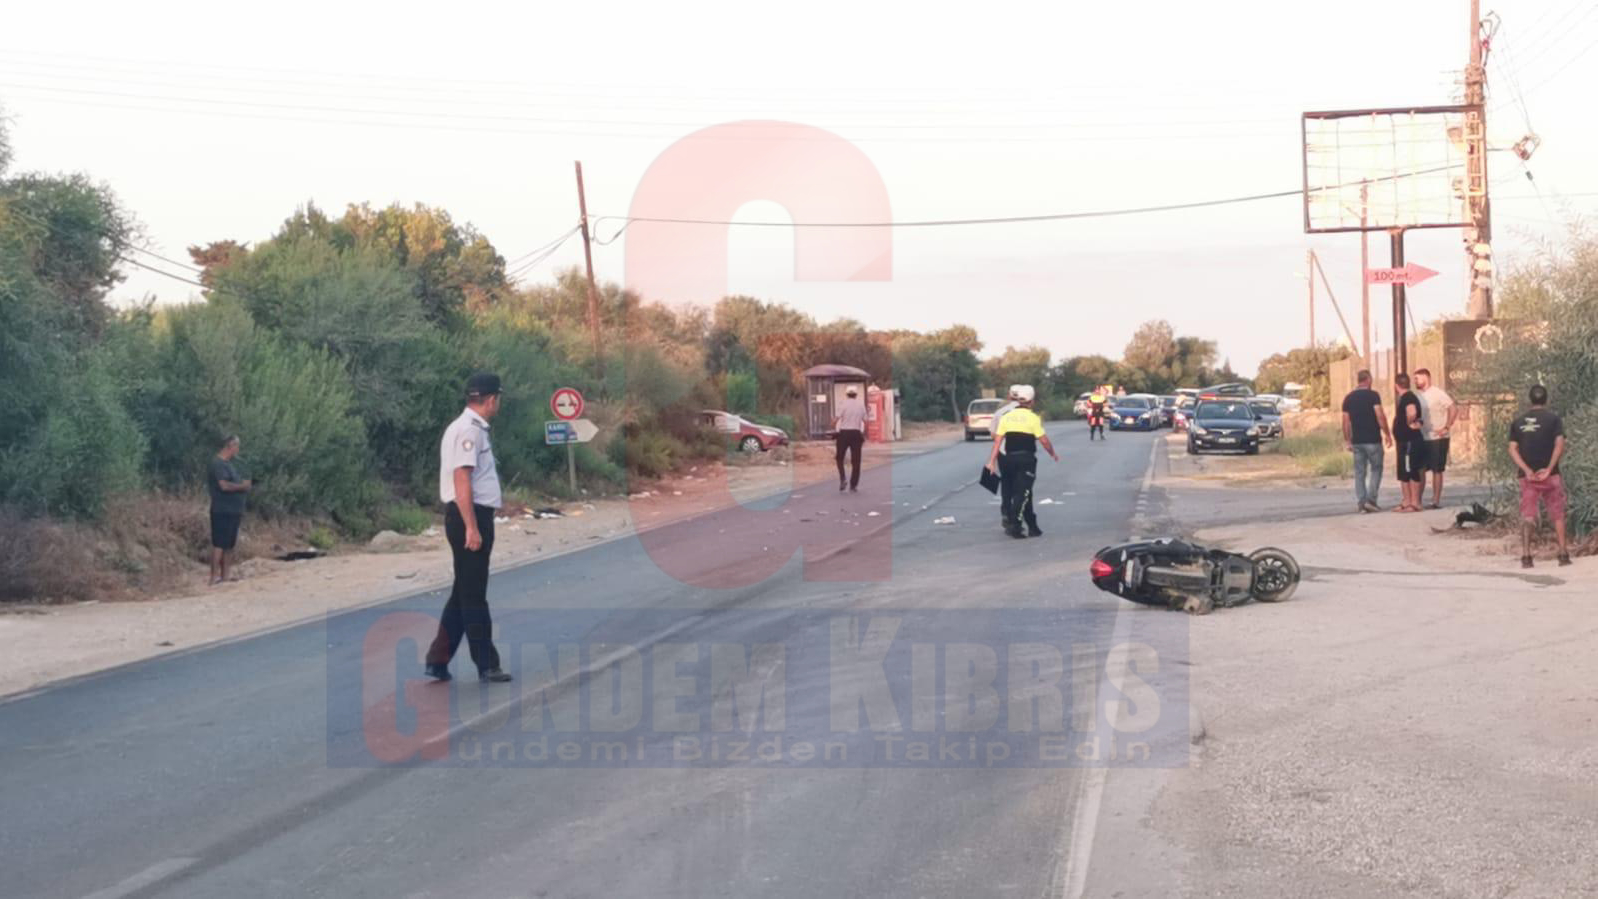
pixel 1085 812
pixel 153 874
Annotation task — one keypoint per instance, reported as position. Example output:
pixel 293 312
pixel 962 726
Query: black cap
pixel 482 384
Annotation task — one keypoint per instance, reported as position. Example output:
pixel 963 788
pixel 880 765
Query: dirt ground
pixel 1418 720
pixel 45 643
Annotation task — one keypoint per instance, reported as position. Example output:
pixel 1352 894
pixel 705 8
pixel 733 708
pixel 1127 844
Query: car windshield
pixel 1132 402
pixel 1264 408
pixel 1224 410
pixel 1169 402
pixel 984 407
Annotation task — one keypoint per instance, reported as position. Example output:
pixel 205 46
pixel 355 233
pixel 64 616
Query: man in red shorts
pixel 1537 441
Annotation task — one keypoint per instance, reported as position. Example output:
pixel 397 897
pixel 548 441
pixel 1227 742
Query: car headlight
pixel 1198 430
pixel 1253 431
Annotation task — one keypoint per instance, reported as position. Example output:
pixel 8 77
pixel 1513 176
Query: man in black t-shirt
pixel 227 489
pixel 1365 432
pixel 1537 441
pixel 1408 447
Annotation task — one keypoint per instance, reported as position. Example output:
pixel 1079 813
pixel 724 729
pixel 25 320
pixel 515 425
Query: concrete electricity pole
pixel 1478 232
pixel 1310 282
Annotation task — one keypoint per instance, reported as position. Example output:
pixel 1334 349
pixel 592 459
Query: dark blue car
pixel 1224 423
pixel 1139 412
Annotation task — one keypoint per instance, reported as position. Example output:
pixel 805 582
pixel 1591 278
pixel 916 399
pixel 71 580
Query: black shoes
pixel 841 485
pixel 1033 531
pixel 491 676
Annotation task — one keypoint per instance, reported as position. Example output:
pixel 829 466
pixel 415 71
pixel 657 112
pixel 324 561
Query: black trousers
pixel 467 612
pixel 850 442
pixel 1017 471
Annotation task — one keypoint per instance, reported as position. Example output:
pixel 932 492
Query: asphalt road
pixel 248 769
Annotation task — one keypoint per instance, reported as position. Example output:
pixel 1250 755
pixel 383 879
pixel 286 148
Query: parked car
pixel 1231 388
pixel 1080 408
pixel 1269 415
pixel 1293 394
pixel 1185 409
pixel 1223 423
pixel 1135 412
pixel 980 418
pixel 743 433
pixel 1168 410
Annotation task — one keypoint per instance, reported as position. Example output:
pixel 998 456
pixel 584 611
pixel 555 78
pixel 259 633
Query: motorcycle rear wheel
pixel 1276 574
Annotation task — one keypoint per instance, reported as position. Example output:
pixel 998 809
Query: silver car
pixel 1270 417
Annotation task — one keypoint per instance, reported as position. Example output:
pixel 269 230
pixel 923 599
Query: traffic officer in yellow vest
pixel 1096 411
pixel 469 487
pixel 1017 436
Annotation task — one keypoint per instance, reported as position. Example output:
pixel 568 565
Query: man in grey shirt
pixel 849 428
pixel 227 489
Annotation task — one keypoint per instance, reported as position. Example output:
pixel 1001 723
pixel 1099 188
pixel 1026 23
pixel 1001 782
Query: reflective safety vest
pixel 1097 399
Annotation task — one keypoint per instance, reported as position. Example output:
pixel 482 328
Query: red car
pixel 743 433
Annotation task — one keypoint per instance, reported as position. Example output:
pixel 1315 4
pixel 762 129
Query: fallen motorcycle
pixel 1184 576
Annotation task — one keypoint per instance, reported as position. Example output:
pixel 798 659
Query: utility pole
pixel 1365 289
pixel 1396 244
pixel 1310 282
pixel 588 262
pixel 1478 231
pixel 1315 261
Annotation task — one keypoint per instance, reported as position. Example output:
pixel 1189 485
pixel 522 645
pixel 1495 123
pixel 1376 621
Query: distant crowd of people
pixel 1423 419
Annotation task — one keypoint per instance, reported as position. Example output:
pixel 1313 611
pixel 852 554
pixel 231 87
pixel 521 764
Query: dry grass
pixel 146 544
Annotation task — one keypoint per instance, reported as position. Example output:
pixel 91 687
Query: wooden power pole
pixel 1478 230
pixel 588 262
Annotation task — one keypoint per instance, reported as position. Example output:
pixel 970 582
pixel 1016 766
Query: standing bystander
pixel 1537 441
pixel 1408 448
pixel 1437 419
pixel 1365 433
pixel 227 489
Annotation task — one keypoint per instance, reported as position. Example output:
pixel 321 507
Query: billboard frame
pixel 1466 109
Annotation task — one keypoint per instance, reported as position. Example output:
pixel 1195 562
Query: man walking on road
pixel 849 428
pixel 1407 445
pixel 1364 426
pixel 1015 459
pixel 227 491
pixel 1537 441
pixel 469 487
pixel 1437 418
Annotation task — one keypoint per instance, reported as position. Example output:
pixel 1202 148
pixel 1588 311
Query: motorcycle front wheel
pixel 1276 574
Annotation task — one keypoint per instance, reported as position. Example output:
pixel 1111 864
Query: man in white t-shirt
pixel 1437 419
pixel 849 428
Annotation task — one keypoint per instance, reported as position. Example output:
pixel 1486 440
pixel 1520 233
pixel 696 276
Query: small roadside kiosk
pixel 824 392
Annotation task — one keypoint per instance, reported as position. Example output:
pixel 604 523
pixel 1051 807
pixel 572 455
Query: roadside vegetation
pixel 1319 452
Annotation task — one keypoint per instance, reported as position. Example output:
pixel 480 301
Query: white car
pixel 980 417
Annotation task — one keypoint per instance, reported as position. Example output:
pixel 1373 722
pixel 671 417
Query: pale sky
pixel 214 122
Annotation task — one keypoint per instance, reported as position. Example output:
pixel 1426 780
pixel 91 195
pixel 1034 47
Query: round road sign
pixel 567 404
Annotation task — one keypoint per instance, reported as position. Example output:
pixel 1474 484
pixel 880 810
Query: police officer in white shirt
pixel 469 487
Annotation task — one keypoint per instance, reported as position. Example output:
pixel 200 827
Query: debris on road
pixel 947 519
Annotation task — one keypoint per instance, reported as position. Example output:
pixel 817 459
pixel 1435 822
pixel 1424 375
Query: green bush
pixel 406 518
pixel 786 422
pixel 86 449
pixel 743 393
pixel 1554 294
pixel 322 538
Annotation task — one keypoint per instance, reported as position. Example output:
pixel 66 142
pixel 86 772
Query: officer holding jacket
pixel 1017 436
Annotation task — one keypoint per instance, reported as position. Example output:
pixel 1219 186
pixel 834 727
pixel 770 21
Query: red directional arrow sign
pixel 1410 274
